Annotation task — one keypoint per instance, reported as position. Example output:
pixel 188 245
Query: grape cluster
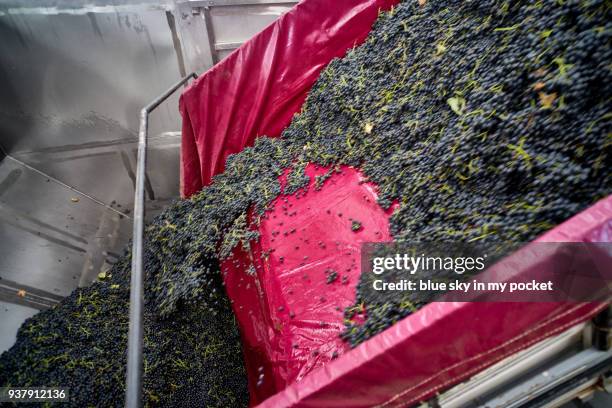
pixel 193 359
pixel 484 121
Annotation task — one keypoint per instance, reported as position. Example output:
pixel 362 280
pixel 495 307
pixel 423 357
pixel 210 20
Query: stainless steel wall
pixel 73 76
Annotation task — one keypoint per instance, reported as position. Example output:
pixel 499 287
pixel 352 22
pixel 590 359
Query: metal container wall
pixel 73 78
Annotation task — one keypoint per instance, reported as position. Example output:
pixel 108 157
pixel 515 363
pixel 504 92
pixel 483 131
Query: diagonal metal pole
pixel 133 396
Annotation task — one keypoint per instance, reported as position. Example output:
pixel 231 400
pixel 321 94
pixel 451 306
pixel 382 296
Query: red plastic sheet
pixel 257 89
pixel 290 316
pixel 287 312
pixel 290 310
pixel 445 343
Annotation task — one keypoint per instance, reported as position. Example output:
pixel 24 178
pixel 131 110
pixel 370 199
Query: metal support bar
pixel 210 34
pixel 227 46
pixel 133 396
pixel 226 3
pixel 19 294
pixel 510 369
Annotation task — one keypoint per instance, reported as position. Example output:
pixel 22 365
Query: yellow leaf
pixel 368 128
pixel 547 100
pixel 457 104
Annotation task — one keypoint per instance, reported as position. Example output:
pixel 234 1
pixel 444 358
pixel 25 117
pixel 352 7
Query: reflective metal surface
pixel 228 23
pixel 12 316
pixel 73 77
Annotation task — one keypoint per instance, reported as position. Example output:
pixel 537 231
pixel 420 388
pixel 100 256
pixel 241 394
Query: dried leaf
pixel 21 293
pixel 422 2
pixel 538 86
pixel 547 100
pixel 368 128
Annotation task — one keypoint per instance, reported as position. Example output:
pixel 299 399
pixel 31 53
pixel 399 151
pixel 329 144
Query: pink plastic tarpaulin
pixel 445 343
pixel 289 315
pixel 290 312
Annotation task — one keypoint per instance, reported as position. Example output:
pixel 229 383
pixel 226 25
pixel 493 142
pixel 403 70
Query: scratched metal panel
pixel 51 238
pixel 72 82
pixel 74 85
pixel 108 171
pixel 83 77
pixel 230 25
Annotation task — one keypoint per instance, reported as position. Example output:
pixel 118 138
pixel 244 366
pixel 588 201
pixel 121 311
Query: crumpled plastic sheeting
pixel 290 316
pixel 445 343
pixel 258 88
